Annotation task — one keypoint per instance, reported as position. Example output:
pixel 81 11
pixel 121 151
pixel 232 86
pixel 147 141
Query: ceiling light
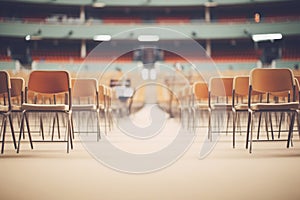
pixel 102 38
pixel 99 4
pixel 210 4
pixel 148 38
pixel 27 37
pixel 264 37
pixel 32 37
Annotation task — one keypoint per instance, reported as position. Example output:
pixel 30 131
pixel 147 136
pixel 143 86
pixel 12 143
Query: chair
pixel 85 99
pixel 199 100
pixel 297 94
pixel 109 94
pixel 5 107
pixel 48 83
pixel 185 97
pixel 240 93
pixel 17 92
pixel 103 105
pixel 220 92
pixel 17 95
pixel 271 81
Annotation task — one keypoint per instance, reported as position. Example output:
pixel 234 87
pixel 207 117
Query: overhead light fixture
pixel 148 38
pixel 102 38
pixel 27 37
pixel 265 37
pixel 32 37
pixel 98 4
pixel 210 3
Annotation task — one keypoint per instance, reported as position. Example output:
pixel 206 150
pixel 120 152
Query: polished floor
pixel 48 172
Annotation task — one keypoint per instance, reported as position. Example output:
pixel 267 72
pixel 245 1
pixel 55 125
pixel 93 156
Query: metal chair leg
pixel 12 131
pixel 3 134
pixel 291 130
pixel 234 116
pixel 248 128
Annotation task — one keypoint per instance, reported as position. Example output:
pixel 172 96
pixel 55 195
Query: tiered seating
pixel 74 56
pixel 235 55
pixel 227 20
pixel 291 54
pixel 3 55
pixel 173 20
pixel 54 55
pixel 121 20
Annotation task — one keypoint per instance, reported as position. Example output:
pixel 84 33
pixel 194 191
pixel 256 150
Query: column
pixel 207 14
pixel 208 47
pixel 82 14
pixel 83 49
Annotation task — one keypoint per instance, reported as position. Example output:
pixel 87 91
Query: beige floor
pixel 48 172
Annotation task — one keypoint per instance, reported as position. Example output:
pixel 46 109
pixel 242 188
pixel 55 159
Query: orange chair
pixel 49 83
pixel 5 106
pixel 102 96
pixel 185 98
pixel 17 95
pixel 85 99
pixel 271 81
pixel 240 100
pixel 109 94
pixel 17 92
pixel 199 100
pixel 220 92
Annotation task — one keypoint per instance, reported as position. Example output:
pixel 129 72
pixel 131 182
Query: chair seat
pixel 201 105
pixel 101 106
pixel 221 106
pixel 16 108
pixel 241 107
pixel 84 107
pixel 274 106
pixel 3 108
pixel 183 107
pixel 45 107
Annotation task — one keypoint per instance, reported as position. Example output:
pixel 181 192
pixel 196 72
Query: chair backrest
pixel 297 89
pixel 84 87
pixel 184 95
pixel 47 86
pixel 272 80
pixel 49 82
pixel 5 87
pixel 241 90
pixel 200 90
pixel 17 86
pixel 241 85
pixel 221 86
pixel 109 94
pixel 102 94
pixel 4 82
